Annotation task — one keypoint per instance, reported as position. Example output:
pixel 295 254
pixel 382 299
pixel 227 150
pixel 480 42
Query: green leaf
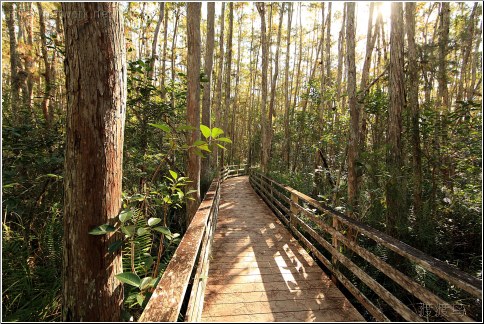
pixel 205 131
pixel 224 139
pixel 113 247
pixel 216 132
pixel 129 278
pixel 173 174
pixel 142 231
pixel 128 230
pixel 125 215
pixel 199 143
pixel 204 148
pixel 163 127
pixel 221 146
pixel 153 221
pixel 146 283
pixel 103 229
pixel 162 230
pixel 140 299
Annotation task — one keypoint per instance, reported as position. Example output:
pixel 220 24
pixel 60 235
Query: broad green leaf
pixel 216 132
pixel 142 231
pixel 204 147
pixel 129 278
pixel 222 147
pixel 162 230
pixel 103 229
pixel 113 247
pixel 125 215
pixel 173 174
pixel 205 131
pixel 128 230
pixel 140 299
pixel 153 221
pixel 145 283
pixel 199 143
pixel 163 127
pixel 224 139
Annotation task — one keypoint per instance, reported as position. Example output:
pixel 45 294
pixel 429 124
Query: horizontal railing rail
pixel 315 224
pixel 191 260
pixel 235 170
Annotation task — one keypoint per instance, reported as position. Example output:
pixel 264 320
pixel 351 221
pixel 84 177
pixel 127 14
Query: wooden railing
pixel 191 260
pixel 320 229
pixel 235 170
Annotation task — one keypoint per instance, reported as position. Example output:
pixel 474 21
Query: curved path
pixel 259 272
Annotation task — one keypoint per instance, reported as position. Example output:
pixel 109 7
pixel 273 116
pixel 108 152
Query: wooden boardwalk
pixel 259 272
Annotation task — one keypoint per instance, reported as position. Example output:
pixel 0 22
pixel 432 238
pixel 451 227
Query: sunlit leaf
pixel 224 139
pixel 163 127
pixel 173 174
pixel 129 278
pixel 205 131
pixel 153 221
pixel 102 229
pixel 163 230
pixel 216 132
pixel 125 215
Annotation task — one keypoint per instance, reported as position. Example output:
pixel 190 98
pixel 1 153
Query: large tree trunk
pixel 47 74
pixel 353 106
pixel 274 81
pixel 414 108
pixel 14 61
pixel 96 95
pixel 154 44
pixel 218 90
pixel 287 94
pixel 265 58
pixel 193 103
pixel 228 76
pixel 206 113
pixel 395 188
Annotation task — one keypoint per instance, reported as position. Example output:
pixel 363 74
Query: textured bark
pixel 218 90
pixel 354 112
pixel 395 188
pixel 96 95
pixel 193 103
pixel 228 74
pixel 48 70
pixel 233 129
pixel 173 52
pixel 341 46
pixel 14 60
pixel 414 108
pixel 274 81
pixel 163 57
pixel 328 47
pixel 265 57
pixel 207 90
pixel 154 44
pixel 287 94
pixel 467 49
pixel 443 92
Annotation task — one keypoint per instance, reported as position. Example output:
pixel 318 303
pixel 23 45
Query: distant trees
pixel 96 107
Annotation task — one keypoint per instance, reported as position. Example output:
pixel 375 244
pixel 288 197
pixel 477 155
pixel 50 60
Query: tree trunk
pixel 47 74
pixel 208 63
pixel 193 103
pixel 265 57
pixel 96 94
pixel 395 188
pixel 414 108
pixel 228 72
pixel 173 51
pixel 274 81
pixel 14 61
pixel 163 58
pixel 287 94
pixel 218 100
pixel 353 144
pixel 154 44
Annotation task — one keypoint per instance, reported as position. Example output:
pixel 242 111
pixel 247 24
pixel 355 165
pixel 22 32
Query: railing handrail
pixel 443 270
pixel 191 256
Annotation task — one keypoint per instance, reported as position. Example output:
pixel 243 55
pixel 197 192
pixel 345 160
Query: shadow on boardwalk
pixel 259 272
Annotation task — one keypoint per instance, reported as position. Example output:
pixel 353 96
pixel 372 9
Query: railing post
pixel 336 245
pixel 293 214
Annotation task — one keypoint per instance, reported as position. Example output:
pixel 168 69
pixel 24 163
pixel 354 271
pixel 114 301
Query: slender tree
pixel 218 90
pixel 395 194
pixel 47 66
pixel 208 63
pixel 287 94
pixel 154 44
pixel 96 106
pixel 193 103
pixel 14 59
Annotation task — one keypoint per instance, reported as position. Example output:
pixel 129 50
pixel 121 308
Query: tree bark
pixel 218 90
pixel 265 57
pixel 193 103
pixel 414 108
pixel 208 64
pixel 287 94
pixel 154 44
pixel 353 145
pixel 228 74
pixel 96 95
pixel 47 74
pixel 14 61
pixel 395 188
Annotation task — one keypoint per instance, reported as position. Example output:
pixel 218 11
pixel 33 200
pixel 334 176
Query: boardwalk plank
pixel 258 271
